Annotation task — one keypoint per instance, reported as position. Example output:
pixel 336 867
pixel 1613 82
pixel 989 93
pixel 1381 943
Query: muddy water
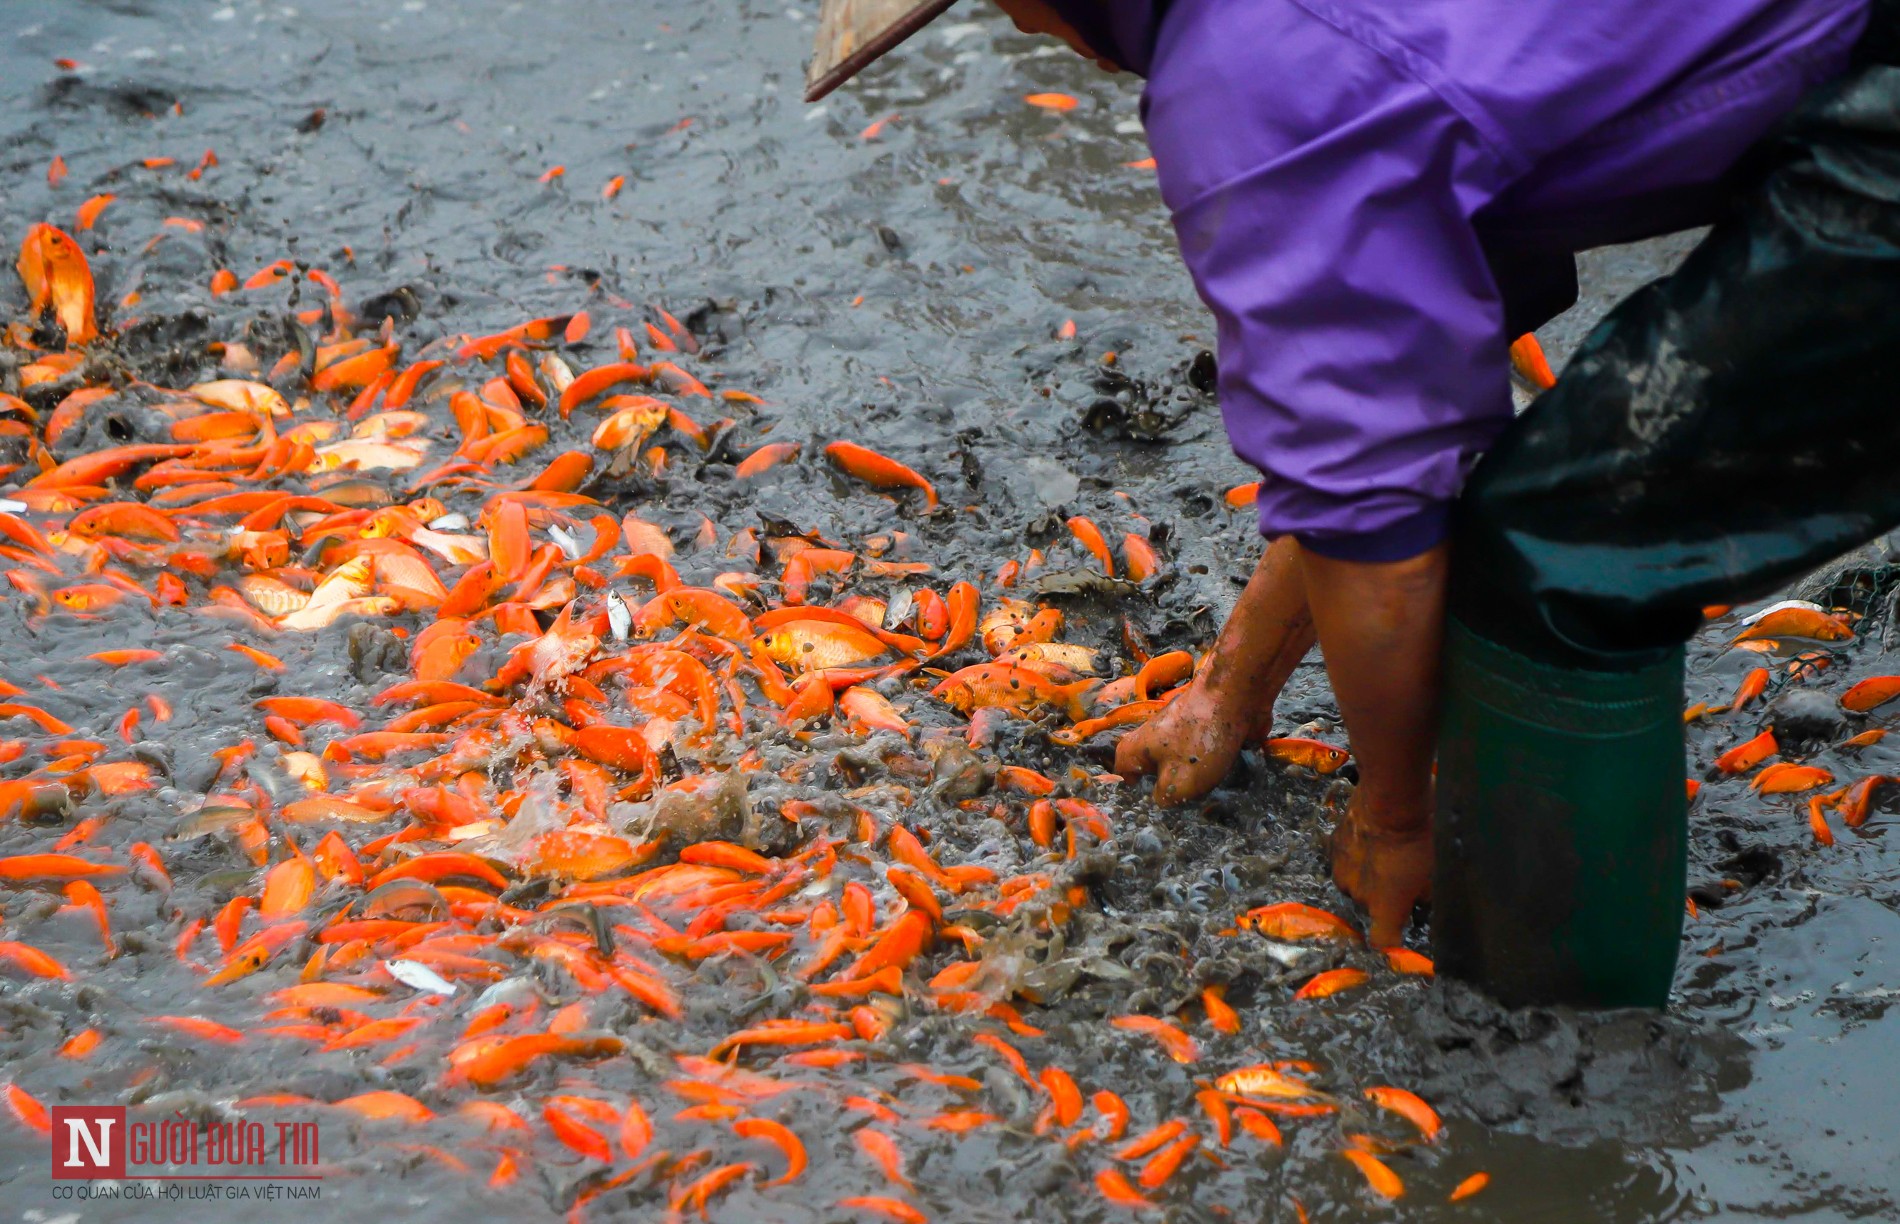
pixel 905 291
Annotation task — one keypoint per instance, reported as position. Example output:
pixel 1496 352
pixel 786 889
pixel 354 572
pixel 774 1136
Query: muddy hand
pixel 1191 745
pixel 1387 871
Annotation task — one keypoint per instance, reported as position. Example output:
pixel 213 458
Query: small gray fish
pixel 402 895
pixel 508 990
pixel 450 522
pixel 565 539
pixel 897 612
pixel 619 616
pixel 212 818
pixel 420 976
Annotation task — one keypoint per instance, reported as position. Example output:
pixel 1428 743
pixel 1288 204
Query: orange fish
pixel 125 658
pixel 1259 1125
pixel 1527 358
pixel 31 960
pixel 906 937
pixel 31 867
pixel 883 1151
pixel 1404 960
pixel 1007 686
pixel 696 1193
pixel 765 458
pixel 1817 819
pixel 491 1060
pixel 1785 778
pixel 1383 1181
pixel 1468 1187
pixel 1408 1106
pixel 1090 537
pixel 1115 1189
pixel 1745 756
pixel 1289 920
pixel 1163 1164
pixel 1177 1044
pixel 576 1134
pixel 879 471
pixel 818 645
pixel 1856 806
pixel 198 1026
pixel 889 1208
pixel 1318 757
pixel 1065 1099
pixel 1797 623
pixel 81 1044
pixel 1870 693
pixel 386 1106
pixel 27 1109
pixel 1140 557
pixel 590 384
pixel 58 278
pixel 1263 1082
pixel 90 210
pixel 1331 982
pixel 779 1136
pixel 1220 1013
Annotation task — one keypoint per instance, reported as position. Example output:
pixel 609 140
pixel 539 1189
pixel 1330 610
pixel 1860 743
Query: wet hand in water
pixel 1191 745
pixel 1387 871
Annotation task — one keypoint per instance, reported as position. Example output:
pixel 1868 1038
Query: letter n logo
pixel 88 1142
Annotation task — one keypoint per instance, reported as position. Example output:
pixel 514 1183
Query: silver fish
pixel 420 976
pixel 568 544
pixel 1752 617
pixel 508 990
pixel 897 611
pixel 619 616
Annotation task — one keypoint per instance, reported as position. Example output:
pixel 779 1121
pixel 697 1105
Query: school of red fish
pixel 598 782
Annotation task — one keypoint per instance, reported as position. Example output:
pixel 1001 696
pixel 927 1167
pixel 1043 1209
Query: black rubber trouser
pixel 1728 427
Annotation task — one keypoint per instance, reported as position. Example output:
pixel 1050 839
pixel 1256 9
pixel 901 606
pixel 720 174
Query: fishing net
pixel 1729 427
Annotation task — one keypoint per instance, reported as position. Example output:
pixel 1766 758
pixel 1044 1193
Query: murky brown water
pixel 970 227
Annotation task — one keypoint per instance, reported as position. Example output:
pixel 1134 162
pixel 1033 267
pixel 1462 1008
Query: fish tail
pixel 1075 698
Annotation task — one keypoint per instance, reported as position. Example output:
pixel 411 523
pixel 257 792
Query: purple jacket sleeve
pixel 1324 161
pixel 1362 356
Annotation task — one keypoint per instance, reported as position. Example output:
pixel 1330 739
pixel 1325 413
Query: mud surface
pixel 904 291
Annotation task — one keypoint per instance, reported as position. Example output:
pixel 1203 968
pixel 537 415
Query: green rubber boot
pixel 1562 827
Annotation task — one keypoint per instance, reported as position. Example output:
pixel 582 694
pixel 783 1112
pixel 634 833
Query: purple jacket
pixel 1370 193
